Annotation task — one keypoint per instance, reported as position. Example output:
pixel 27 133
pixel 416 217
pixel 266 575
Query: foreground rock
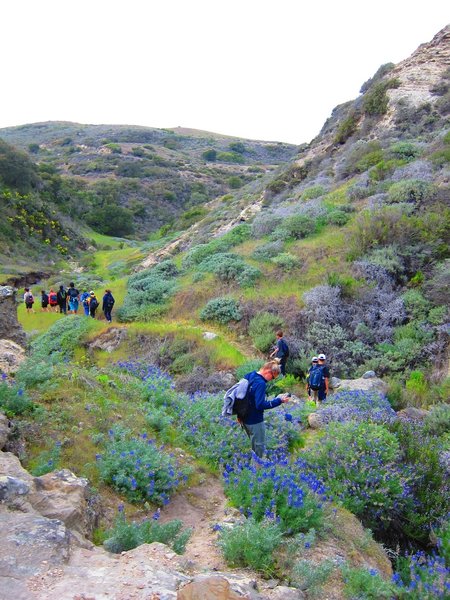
pixel 44 554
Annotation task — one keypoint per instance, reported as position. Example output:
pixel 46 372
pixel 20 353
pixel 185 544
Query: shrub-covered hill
pixel 34 229
pixel 149 177
pixel 346 247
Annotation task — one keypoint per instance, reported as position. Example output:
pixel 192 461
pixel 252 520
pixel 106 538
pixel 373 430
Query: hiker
pixel 44 301
pixel 85 299
pixel 281 352
pixel 253 421
pixel 93 304
pixel 29 300
pixel 108 303
pixel 52 300
pixel 318 380
pixel 314 362
pixel 61 298
pixel 73 295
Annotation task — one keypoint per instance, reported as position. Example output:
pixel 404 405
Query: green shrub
pixel 438 421
pixel 230 157
pixel 236 236
pixel 404 150
pixel 312 192
pixel 251 545
pixel 46 461
pixel 366 584
pixel 222 310
pixel 230 267
pixel 337 217
pixel 416 304
pixel 286 261
pixel 296 227
pixel 268 251
pixel 357 461
pixel 369 160
pixel 412 190
pixel 310 577
pixel 137 468
pixel 14 400
pixel 125 536
pixel 62 338
pixel 148 288
pixel 34 371
pixel 347 127
pixel 375 101
pixel 248 366
pixel 262 330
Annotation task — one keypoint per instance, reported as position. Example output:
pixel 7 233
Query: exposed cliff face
pixel 10 328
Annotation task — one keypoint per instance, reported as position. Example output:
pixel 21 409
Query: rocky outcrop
pixel 11 356
pixel 369 382
pixel 10 328
pixel 109 340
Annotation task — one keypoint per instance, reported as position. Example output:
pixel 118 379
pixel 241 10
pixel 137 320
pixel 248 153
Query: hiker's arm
pixel 260 398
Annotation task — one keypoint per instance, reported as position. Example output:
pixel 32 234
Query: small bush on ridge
pixel 223 310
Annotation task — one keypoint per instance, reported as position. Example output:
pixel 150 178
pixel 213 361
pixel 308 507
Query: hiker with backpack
pixel 318 380
pixel 93 304
pixel 250 411
pixel 61 298
pixel 44 301
pixel 85 299
pixel 73 296
pixel 281 352
pixel 107 306
pixel 314 362
pixel 29 300
pixel 52 300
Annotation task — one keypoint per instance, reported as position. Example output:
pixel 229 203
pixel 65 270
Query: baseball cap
pixel 92 293
pixel 322 357
pixel 314 359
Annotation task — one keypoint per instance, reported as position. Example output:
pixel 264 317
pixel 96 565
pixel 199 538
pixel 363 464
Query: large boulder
pixel 62 495
pixel 368 382
pixel 10 329
pixel 57 495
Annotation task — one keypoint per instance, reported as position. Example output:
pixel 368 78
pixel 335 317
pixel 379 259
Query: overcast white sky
pixel 261 69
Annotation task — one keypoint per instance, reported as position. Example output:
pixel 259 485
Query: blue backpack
pixel 316 378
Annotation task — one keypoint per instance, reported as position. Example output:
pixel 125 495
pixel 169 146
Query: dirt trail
pixel 200 507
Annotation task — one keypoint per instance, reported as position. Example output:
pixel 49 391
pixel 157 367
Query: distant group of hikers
pixel 68 301
pixel 247 398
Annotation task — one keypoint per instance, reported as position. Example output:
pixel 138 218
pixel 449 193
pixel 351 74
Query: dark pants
pixel 92 312
pixel 283 367
pixel 63 308
pixel 107 312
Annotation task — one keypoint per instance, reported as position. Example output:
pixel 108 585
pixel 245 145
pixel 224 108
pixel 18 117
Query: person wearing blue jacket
pixel 253 422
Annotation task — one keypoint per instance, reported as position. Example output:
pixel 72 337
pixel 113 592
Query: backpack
pixel 93 303
pixel 63 294
pixel 109 302
pixel 52 299
pixel 44 299
pixel 285 349
pixel 236 400
pixel 316 378
pixel 29 298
